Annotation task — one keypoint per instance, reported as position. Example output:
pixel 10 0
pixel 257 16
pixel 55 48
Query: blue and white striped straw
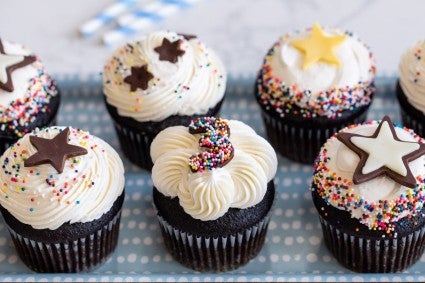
pixel 105 17
pixel 138 20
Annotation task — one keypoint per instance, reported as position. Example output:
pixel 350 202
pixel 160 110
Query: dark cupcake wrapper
pixel 214 254
pixel 411 117
pixel 80 255
pixel 373 255
pixel 301 140
pixel 136 137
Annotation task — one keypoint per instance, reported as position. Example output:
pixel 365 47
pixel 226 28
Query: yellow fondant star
pixel 319 47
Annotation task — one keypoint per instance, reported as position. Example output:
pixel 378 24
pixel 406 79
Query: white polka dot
pixel 2 257
pixel 142 225
pixel 131 258
pixel 358 279
pixel 147 241
pixel 30 279
pixel 12 259
pixel 262 259
pixel 326 258
pixel 301 211
pixel 144 259
pixel 2 241
pixel 284 196
pixel 274 258
pixel 295 195
pixel 296 225
pixel 153 227
pixel 125 241
pixel 168 257
pixel 314 240
pixel 148 197
pixel 289 241
pixel 330 279
pixel 384 279
pixel 297 257
pixel 136 241
pixel 278 211
pixel 300 239
pixel 307 196
pixel 308 226
pixel 287 182
pixel 149 212
pixel 137 211
pixel 276 239
pixel 118 279
pixel 136 196
pixel 297 180
pixel 131 224
pixel 317 278
pixel 67 279
pixel 125 212
pixel 120 259
pixel 342 279
pixel 285 226
pixel 156 258
pixel 286 258
pixel 289 212
pixel 92 279
pixel 294 167
pixel 272 225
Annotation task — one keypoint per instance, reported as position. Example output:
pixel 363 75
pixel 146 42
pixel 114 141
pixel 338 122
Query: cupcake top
pixel 56 175
pixel 25 88
pixel 375 171
pixel 212 165
pixel 412 71
pixel 163 74
pixel 321 72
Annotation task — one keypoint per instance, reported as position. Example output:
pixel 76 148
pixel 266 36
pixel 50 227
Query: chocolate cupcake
pixel 213 205
pixel 29 96
pixel 311 84
pixel 411 88
pixel 165 79
pixel 369 189
pixel 61 198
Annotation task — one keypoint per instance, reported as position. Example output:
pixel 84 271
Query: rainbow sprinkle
pixel 215 138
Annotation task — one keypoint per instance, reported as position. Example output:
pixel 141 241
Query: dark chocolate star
pixel 187 36
pixel 139 78
pixel 383 153
pixel 169 51
pixel 53 151
pixel 8 64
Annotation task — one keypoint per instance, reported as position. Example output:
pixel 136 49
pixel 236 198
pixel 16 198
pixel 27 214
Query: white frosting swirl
pixel 43 198
pixel 241 183
pixel 192 85
pixel 412 74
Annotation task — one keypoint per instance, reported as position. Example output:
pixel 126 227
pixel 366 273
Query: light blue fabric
pixel 294 250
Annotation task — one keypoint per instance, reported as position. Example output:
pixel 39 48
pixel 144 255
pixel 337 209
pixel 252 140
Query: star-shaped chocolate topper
pixel 8 64
pixel 169 51
pixel 187 36
pixel 139 78
pixel 53 151
pixel 383 153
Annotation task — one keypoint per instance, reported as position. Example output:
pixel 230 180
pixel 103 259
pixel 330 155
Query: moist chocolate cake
pixel 65 215
pixel 369 190
pixel 213 192
pixel 311 84
pixel 164 79
pixel 29 96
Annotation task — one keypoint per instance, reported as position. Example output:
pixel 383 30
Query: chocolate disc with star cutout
pixel 10 63
pixel 53 151
pixel 169 51
pixel 383 153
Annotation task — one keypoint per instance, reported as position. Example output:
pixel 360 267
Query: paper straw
pixel 106 17
pixel 138 20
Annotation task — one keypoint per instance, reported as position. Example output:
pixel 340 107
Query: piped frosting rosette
pixel 163 74
pixel 412 71
pixel 25 87
pixel 362 170
pixel 41 196
pixel 339 80
pixel 219 183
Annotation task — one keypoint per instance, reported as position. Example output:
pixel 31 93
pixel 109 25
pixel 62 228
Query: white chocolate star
pixel 7 61
pixel 384 150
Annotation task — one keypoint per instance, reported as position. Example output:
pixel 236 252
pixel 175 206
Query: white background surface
pixel 240 31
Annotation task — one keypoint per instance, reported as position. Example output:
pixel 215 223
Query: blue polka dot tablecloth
pixel 294 249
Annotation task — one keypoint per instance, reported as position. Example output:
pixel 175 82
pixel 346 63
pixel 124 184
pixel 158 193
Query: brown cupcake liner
pixel 135 145
pixel 373 255
pixel 80 255
pixel 412 123
pixel 210 254
pixel 299 141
